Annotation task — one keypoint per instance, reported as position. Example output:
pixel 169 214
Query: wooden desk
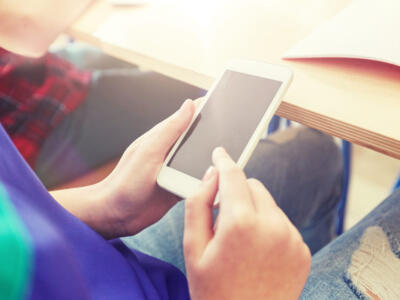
pixel 352 99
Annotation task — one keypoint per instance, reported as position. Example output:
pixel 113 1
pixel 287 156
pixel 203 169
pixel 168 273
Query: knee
pixel 311 150
pixel 298 156
pixel 315 169
pixel 321 151
pixel 324 157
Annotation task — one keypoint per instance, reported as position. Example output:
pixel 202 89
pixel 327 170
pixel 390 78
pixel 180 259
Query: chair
pixel 346 153
pixel 397 184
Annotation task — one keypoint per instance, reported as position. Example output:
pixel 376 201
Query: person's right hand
pixel 253 252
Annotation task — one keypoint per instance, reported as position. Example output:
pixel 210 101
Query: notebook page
pixel 366 29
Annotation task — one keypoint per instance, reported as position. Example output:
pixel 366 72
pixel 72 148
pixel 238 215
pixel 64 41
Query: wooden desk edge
pixel 348 132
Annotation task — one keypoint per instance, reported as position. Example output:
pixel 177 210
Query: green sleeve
pixel 15 251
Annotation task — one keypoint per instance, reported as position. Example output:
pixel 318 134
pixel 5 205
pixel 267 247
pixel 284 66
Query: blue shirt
pixel 70 260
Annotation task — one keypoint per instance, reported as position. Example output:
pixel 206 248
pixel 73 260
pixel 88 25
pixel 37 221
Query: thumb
pixel 165 134
pixel 199 217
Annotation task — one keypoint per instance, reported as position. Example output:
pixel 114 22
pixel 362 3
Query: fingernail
pixel 209 173
pixel 221 151
pixel 184 103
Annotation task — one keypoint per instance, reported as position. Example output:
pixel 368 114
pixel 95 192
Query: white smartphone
pixel 235 114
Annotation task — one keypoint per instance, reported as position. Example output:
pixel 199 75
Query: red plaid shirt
pixel 35 95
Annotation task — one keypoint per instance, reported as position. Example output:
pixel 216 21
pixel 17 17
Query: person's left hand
pixel 136 201
pixel 129 199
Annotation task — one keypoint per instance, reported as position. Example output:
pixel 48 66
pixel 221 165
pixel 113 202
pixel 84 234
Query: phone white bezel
pixel 182 184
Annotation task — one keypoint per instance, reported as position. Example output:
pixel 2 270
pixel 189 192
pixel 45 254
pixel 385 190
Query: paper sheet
pixel 367 29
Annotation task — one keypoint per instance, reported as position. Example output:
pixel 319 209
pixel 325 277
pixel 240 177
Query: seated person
pixel 253 252
pixel 55 252
pixel 62 250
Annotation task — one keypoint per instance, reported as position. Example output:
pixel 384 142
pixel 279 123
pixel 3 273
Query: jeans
pixel 363 262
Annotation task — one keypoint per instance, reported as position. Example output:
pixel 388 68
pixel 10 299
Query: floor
pixel 373 176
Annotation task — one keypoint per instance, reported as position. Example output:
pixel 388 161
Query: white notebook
pixel 366 29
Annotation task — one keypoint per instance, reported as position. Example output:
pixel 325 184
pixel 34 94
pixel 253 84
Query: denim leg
pixel 365 258
pixel 163 239
pixel 300 166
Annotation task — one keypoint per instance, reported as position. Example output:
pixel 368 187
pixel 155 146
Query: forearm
pixel 29 27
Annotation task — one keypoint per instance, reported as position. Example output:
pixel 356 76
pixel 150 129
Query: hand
pixel 129 199
pixel 136 201
pixel 253 252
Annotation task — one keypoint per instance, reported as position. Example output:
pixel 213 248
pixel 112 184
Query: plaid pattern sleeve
pixel 35 96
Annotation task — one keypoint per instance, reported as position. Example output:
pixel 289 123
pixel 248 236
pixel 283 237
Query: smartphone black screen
pixel 228 119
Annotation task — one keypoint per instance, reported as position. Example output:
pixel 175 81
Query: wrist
pixel 90 205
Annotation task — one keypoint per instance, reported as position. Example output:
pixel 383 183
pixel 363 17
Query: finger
pixel 154 130
pixel 233 186
pixel 165 134
pixel 262 199
pixel 197 103
pixel 199 216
